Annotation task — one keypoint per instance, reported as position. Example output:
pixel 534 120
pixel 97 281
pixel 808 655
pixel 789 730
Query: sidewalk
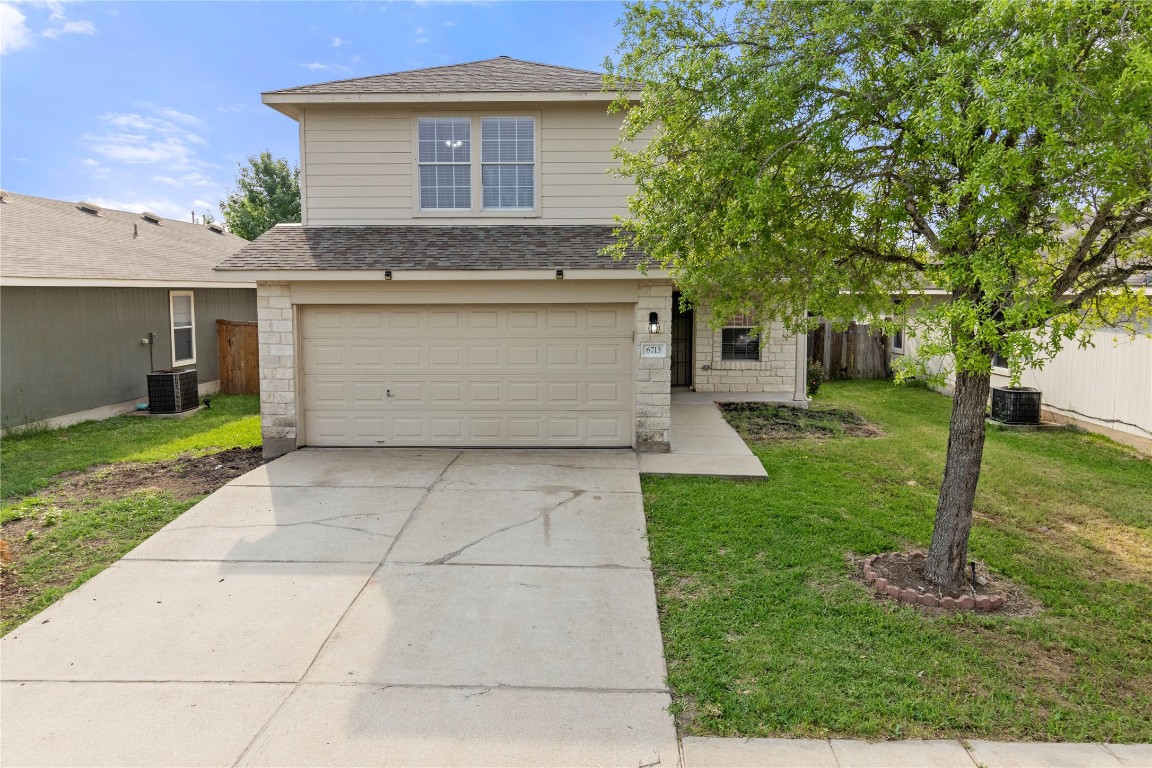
pixel 839 753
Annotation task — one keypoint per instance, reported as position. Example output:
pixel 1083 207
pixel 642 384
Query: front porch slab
pixel 702 443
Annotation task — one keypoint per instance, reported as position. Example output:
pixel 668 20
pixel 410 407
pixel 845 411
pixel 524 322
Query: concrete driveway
pixel 363 607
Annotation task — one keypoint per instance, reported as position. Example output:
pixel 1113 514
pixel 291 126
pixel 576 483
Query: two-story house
pixel 446 285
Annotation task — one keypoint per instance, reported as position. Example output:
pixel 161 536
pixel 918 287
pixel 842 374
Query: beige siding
pixel 1107 385
pixel 359 165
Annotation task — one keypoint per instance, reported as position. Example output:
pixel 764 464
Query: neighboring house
pixel 446 287
pixel 81 286
pixel 1105 387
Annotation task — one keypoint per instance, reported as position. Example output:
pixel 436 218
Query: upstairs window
pixel 445 160
pixel 508 162
pixel 737 342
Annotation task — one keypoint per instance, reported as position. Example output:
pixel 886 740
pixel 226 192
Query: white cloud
pixel 449 23
pixel 59 23
pixel 139 138
pixel 17 32
pixel 179 117
pixel 420 36
pixel 338 41
pixel 14 33
pixel 317 66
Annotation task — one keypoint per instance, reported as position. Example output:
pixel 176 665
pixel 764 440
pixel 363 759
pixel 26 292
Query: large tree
pixel 841 157
pixel 267 193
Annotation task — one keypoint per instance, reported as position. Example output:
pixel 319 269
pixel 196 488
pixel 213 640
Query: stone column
pixel 275 318
pixel 654 374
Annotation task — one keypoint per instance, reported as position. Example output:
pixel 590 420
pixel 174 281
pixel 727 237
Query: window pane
pixel 509 186
pixel 445 140
pixel 182 338
pixel 445 186
pixel 181 311
pixel 508 140
pixel 739 344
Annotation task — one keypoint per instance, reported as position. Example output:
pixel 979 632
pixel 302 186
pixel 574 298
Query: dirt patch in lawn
pixel 78 493
pixel 184 478
pixel 767 421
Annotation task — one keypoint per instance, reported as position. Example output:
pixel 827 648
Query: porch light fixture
pixel 653 323
pixel 559 274
pixel 387 274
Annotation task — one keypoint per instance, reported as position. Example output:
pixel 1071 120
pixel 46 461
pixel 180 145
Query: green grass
pixel 766 634
pixel 29 461
pixel 61 536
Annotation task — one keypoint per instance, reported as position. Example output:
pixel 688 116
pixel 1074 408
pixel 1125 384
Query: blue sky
pixel 151 105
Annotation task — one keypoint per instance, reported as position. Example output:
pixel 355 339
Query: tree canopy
pixel 843 158
pixel 267 193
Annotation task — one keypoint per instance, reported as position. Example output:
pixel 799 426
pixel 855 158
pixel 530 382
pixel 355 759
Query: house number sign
pixel 653 350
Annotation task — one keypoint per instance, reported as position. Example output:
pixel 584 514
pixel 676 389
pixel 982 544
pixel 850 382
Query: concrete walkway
pixel 702 442
pixel 363 607
pixel 840 753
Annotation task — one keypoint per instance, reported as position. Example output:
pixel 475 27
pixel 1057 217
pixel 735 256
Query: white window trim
pixel 448 164
pixel 477 210
pixel 899 348
pixel 172 326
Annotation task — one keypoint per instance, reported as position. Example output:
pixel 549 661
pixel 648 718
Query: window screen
pixel 508 158
pixel 739 344
pixel 445 158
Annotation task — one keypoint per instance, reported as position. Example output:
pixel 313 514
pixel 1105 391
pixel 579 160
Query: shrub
pixel 815 378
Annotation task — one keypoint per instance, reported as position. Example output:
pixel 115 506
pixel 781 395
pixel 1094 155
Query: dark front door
pixel 681 344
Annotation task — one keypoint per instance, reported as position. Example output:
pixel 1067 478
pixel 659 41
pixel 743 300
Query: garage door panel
pixel 488 375
pixel 422 428
pixel 487 355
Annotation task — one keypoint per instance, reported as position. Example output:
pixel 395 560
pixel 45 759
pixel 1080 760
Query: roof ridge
pixel 438 66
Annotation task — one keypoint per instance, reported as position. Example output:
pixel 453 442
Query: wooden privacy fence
pixel 239 350
pixel 855 353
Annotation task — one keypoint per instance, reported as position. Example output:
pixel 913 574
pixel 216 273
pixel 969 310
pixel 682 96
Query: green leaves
pixel 267 193
pixel 841 158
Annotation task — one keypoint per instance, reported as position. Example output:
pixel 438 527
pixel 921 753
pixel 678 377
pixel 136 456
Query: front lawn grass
pixel 63 529
pixel 31 460
pixel 767 634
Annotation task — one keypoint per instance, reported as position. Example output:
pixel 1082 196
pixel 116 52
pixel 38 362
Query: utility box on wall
pixel 1016 405
pixel 173 391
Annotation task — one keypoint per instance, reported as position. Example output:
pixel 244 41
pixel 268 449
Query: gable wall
pixel 359 164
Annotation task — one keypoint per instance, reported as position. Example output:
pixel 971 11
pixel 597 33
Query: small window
pixel 739 344
pixel 508 162
pixel 183 313
pixel 445 159
pixel 898 340
pixel 999 361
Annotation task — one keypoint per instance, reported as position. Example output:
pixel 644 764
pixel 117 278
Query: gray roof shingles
pixel 53 239
pixel 497 75
pixel 429 247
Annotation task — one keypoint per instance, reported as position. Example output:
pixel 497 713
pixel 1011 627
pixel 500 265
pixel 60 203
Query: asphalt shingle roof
pixel 295 247
pixel 497 75
pixel 42 238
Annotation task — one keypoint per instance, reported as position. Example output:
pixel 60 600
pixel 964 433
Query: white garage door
pixel 483 375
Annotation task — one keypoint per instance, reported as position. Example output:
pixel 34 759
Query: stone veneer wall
pixel 775 371
pixel 274 316
pixel 653 375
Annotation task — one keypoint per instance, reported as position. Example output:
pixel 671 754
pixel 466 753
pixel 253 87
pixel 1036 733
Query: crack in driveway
pixel 545 516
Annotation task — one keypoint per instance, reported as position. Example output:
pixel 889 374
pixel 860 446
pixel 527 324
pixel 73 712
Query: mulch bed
pixel 900 576
pixel 769 421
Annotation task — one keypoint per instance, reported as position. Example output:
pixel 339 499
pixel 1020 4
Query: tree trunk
pixel 949 552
